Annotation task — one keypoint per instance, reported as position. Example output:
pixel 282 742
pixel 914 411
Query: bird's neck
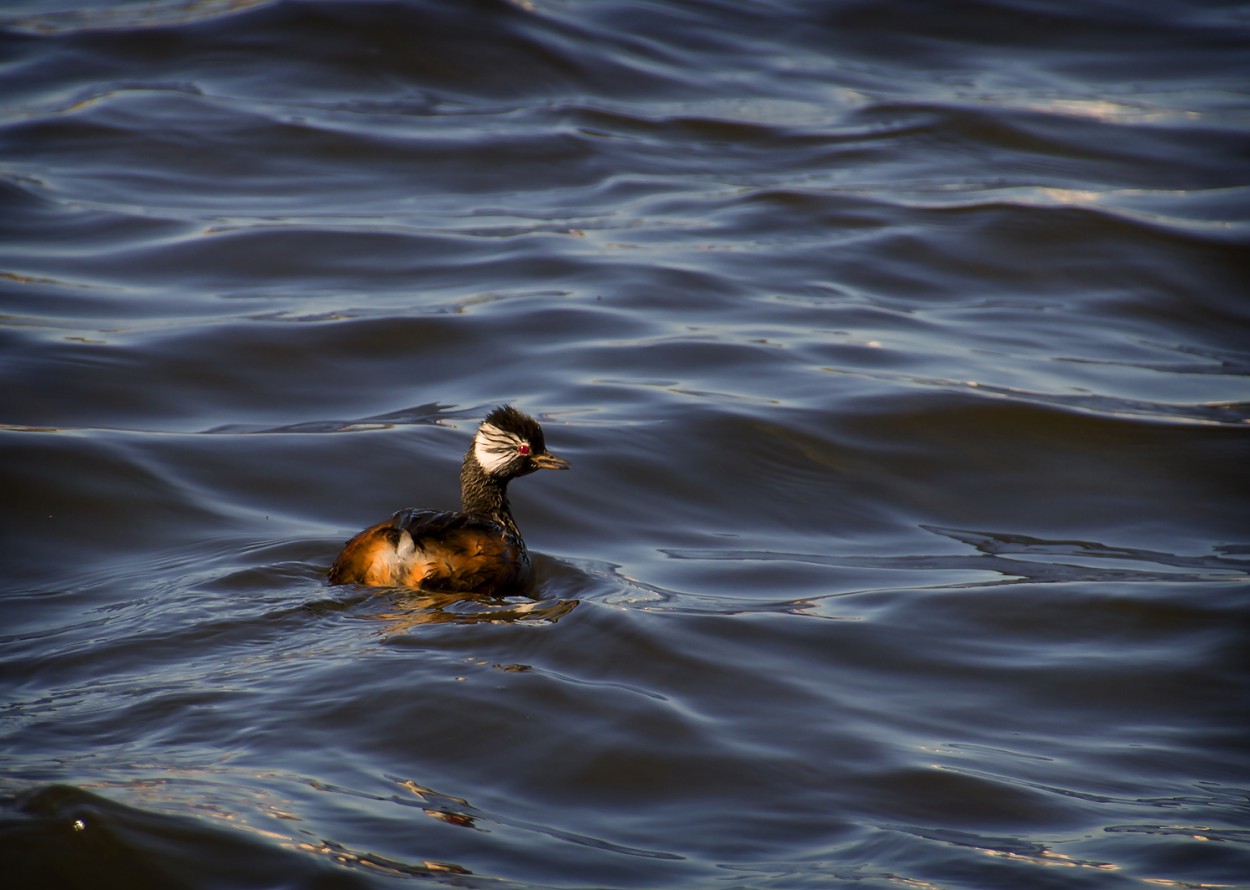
pixel 485 495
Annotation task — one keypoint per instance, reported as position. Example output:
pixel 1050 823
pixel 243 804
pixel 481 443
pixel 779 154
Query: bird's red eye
pixel 522 449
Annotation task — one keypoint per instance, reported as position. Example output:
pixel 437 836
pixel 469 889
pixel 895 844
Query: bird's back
pixel 432 550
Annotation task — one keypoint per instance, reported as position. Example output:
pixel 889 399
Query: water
pixel 900 351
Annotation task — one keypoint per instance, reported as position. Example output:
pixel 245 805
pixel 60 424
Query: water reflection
pixel 409 609
pixel 381 864
pixel 442 807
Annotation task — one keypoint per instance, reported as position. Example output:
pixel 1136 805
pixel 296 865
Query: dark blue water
pixel 901 351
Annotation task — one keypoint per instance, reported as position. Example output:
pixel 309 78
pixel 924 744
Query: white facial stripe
pixel 493 448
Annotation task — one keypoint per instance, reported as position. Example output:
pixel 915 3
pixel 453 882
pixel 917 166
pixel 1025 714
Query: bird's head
pixel 510 444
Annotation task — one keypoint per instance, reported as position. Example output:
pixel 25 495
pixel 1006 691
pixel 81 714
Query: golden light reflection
pixel 1099 109
pixel 373 862
pixel 442 807
pixel 1071 196
pixel 1051 858
pixel 417 608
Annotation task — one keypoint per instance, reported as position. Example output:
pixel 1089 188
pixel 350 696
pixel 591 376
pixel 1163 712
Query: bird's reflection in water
pixel 408 609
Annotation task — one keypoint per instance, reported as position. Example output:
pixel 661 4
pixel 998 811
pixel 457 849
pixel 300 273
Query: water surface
pixel 900 351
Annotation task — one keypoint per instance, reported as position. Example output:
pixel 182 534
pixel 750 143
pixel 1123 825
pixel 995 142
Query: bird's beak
pixel 548 461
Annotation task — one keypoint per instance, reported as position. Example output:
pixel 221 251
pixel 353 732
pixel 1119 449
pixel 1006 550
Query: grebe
pixel 477 550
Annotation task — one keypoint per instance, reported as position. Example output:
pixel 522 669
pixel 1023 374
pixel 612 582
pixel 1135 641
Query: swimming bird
pixel 476 550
